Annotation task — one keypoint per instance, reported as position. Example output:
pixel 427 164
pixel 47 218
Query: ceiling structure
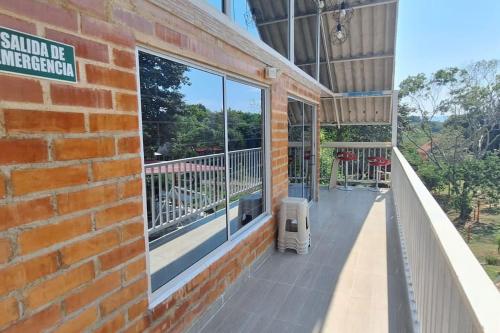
pixel 359 72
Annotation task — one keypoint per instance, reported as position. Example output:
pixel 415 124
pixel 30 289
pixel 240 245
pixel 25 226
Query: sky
pixel 435 34
pixel 431 35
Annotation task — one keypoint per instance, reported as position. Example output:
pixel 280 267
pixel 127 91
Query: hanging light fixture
pixel 340 34
pixel 342 15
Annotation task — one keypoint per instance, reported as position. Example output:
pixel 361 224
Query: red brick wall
pixel 72 247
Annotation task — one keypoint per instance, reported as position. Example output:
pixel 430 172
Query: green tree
pixel 462 151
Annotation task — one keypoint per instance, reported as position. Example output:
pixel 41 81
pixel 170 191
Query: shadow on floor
pixel 340 286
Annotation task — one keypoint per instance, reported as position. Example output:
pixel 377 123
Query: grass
pixel 483 240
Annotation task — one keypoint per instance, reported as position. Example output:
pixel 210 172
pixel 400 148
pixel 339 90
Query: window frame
pixel 166 290
pixel 314 175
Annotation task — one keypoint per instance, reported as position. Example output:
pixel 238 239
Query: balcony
pixel 387 261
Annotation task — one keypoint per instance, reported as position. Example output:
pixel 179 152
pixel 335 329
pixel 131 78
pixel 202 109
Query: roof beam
pixel 368 123
pixel 361 94
pixel 339 60
pixel 303 16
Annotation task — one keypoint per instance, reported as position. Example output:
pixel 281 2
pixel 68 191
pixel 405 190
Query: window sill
pixel 178 282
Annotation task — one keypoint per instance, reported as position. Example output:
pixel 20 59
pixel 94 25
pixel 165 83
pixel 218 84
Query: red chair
pixel 346 156
pixel 378 162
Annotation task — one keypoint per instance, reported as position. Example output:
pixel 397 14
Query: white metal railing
pixel 358 171
pixel 451 290
pixel 184 190
pixel 298 164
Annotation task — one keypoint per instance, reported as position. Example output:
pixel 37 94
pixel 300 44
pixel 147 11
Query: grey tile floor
pixel 352 280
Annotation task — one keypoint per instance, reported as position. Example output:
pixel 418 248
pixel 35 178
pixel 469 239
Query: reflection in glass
pixel 245 134
pixel 183 142
pixel 300 153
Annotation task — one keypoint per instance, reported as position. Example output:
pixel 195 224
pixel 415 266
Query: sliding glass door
pixel 301 149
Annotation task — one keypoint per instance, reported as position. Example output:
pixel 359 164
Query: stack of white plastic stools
pixel 294 232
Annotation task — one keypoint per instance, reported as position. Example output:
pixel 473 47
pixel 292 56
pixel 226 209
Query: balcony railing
pixel 452 292
pixel 184 190
pixel 358 171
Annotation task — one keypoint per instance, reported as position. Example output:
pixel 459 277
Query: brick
pixel 38 322
pixel 78 149
pixel 113 325
pixel 20 213
pixel 137 309
pixel 19 275
pixel 47 235
pixel 25 121
pixel 79 323
pixel 49 290
pixel 182 309
pixel 96 7
pixel 135 268
pixel 170 36
pixel 51 14
pixel 70 95
pixel 113 122
pixel 124 58
pixel 5 251
pixel 132 230
pixel 106 31
pixel 134 21
pixel 89 247
pixel 43 179
pixel 126 102
pixel 84 48
pixel 129 145
pixel 118 168
pixel 17 24
pixel 123 296
pixel 110 77
pixel 122 254
pixel 139 326
pixel 23 151
pixel 9 310
pixel 3 185
pixel 118 213
pixel 85 199
pixel 93 291
pixel 130 189
pixel 19 89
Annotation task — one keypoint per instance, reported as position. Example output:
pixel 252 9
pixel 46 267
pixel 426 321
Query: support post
pixel 228 8
pixel 318 41
pixel 394 116
pixel 291 31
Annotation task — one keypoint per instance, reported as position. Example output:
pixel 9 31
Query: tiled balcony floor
pixel 352 280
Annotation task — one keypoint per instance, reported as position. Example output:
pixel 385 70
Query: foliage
pixel 176 129
pixel 461 153
pixel 161 99
pixel 363 133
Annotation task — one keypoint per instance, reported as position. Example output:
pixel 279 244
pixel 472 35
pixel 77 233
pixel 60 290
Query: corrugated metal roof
pixel 363 63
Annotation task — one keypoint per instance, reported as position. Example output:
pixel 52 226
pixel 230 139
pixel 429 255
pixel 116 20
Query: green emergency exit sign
pixel 26 54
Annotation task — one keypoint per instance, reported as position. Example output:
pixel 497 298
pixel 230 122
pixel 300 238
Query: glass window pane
pixel 265 20
pixel 245 124
pixel 295 151
pixel 183 137
pixel 308 152
pixel 300 153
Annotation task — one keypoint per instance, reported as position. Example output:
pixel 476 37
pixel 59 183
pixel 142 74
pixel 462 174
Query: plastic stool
pixel 294 232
